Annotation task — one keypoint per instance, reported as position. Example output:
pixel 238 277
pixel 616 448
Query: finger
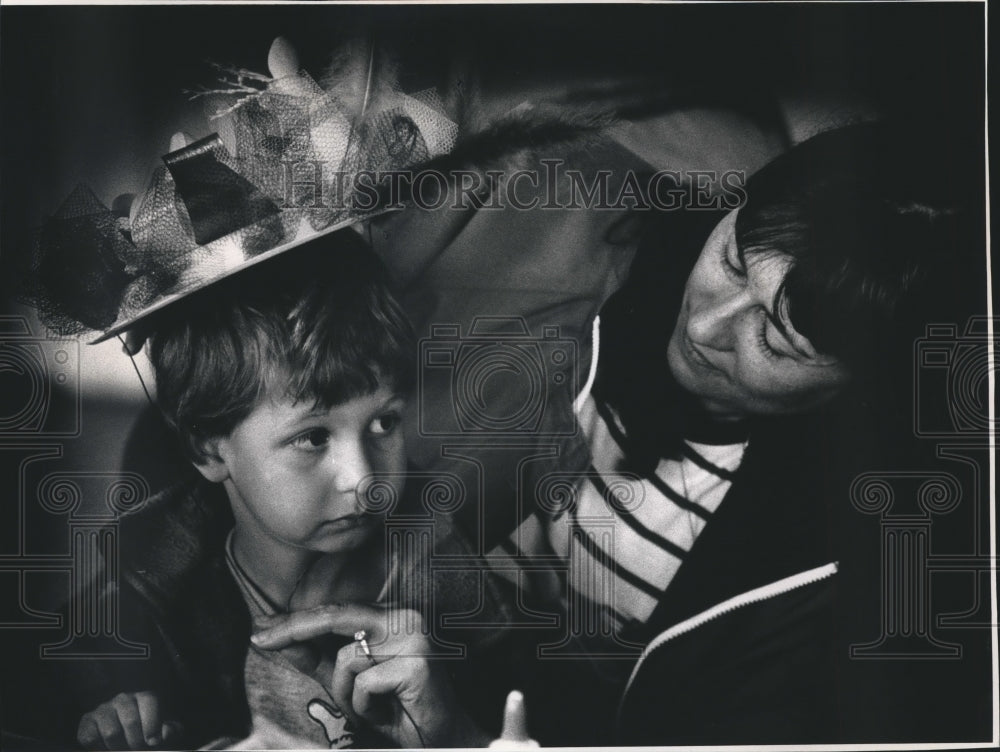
pixel 372 685
pixel 112 734
pixel 515 719
pixel 149 717
pixel 406 678
pixel 131 722
pixel 87 733
pixel 339 618
pixel 263 621
pixel 345 669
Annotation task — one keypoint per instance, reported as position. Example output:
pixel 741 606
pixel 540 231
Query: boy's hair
pixel 317 323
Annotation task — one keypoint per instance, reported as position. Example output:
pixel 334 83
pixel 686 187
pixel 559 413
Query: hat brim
pixel 126 323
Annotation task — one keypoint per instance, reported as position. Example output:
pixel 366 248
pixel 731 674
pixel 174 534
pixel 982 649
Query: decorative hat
pixel 211 211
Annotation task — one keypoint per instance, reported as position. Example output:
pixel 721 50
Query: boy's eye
pixel 384 424
pixel 313 439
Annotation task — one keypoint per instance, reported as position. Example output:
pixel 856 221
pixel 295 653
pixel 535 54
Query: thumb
pixel 515 725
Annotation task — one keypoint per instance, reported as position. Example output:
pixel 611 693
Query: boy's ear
pixel 210 463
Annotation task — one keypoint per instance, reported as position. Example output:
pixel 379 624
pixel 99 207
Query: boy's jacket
pixel 175 594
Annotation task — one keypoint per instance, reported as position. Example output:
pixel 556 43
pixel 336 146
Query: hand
pixel 401 691
pixel 129 720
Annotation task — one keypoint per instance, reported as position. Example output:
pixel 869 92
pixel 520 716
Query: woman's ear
pixel 210 463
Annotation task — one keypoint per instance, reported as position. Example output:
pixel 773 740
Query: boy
pixel 286 383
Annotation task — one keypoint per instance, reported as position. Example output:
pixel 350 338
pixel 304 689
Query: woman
pixel 729 414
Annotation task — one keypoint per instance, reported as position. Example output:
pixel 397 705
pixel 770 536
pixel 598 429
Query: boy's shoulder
pixel 172 536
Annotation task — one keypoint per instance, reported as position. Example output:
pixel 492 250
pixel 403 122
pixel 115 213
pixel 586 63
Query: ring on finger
pixel 361 637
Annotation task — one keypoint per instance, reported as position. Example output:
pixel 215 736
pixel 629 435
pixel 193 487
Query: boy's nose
pixel 350 466
pixel 713 321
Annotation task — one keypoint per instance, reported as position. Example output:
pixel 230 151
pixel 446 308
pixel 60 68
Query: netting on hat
pixel 305 146
pixel 77 274
pixel 287 139
pixel 426 110
pixel 198 219
pixel 297 151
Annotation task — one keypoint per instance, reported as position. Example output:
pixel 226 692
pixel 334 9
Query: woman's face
pixel 733 346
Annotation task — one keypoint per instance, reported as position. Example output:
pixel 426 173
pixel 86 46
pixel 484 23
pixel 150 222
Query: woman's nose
pixel 712 321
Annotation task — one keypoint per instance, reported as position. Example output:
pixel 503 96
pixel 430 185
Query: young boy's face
pixel 291 470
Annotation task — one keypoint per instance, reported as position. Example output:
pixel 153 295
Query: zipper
pixel 763 593
pixel 595 351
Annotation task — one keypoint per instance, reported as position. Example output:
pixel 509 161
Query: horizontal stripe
pixel 589 544
pixel 678 499
pixel 704 464
pixel 621 619
pixel 629 519
pixel 636 552
pixel 601 584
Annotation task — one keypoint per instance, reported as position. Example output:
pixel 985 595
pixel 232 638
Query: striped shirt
pixel 625 536
pixel 622 537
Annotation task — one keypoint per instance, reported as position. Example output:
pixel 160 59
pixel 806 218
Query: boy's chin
pixel 314 586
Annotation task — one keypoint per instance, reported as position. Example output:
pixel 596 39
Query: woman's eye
pixel 314 439
pixel 763 343
pixel 731 260
pixel 772 342
pixel 384 424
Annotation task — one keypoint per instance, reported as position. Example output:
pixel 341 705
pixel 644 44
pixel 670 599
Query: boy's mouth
pixel 347 522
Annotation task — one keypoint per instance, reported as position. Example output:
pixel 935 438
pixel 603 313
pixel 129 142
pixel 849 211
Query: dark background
pixel 92 94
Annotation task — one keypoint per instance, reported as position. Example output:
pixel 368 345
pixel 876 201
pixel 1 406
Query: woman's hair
pixel 881 237
pixel 868 221
pixel 317 323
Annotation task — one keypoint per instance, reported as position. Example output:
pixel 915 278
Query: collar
pixel 701 428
